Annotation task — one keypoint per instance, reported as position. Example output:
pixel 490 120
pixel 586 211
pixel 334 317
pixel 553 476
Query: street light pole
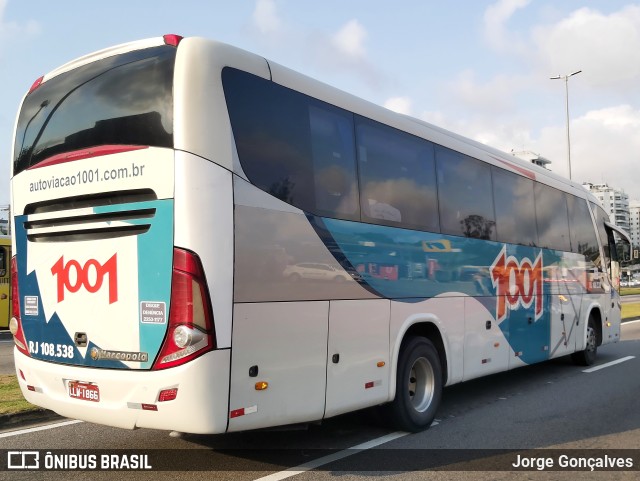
pixel 566 91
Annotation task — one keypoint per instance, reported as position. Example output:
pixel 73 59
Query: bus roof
pixel 310 86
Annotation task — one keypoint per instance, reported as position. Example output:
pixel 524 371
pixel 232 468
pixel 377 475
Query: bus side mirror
pixel 625 254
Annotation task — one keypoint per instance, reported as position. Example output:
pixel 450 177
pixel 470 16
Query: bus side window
pixel 397 177
pixel 601 217
pixel 3 262
pixel 465 195
pixel 515 209
pixel 334 167
pixel 583 235
pixel 552 218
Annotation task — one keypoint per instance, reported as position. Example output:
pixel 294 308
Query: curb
pixel 10 422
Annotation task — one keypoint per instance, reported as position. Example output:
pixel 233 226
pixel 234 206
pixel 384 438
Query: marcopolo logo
pixel 98 354
pixel 518 283
pixel 71 276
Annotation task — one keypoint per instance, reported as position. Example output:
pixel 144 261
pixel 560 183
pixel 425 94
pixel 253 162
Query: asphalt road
pixel 553 405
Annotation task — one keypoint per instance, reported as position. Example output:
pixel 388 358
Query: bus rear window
pixel 124 99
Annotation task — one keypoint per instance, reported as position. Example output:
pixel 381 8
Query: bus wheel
pixel 418 386
pixel 588 356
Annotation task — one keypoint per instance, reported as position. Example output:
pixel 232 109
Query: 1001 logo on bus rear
pixel 71 276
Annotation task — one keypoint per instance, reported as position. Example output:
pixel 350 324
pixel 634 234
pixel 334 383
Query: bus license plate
pixel 84 391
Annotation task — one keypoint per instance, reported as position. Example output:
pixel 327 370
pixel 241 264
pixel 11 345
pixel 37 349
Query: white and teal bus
pixel 206 241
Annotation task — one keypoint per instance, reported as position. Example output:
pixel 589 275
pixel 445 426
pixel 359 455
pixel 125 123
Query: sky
pixel 480 68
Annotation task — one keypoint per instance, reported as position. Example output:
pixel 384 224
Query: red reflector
pixel 31 388
pixel 172 39
pixel 168 395
pixel 35 85
pixel 22 375
pixel 369 385
pixel 236 413
pixel 149 407
pixel 87 153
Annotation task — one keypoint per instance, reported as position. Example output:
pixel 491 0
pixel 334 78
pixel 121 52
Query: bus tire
pixel 418 386
pixel 588 356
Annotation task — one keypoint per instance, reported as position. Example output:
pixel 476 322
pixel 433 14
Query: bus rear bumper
pixel 130 399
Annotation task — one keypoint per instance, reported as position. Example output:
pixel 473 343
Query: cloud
pixel 495 18
pixel 349 40
pixel 495 95
pixel 265 17
pixel 345 51
pixel 605 143
pixel 402 105
pixel 11 30
pixel 514 111
pixel 605 47
pixel 605 147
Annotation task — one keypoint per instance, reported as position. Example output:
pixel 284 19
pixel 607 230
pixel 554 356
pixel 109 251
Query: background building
pixel 615 203
pixel 634 221
pixel 532 157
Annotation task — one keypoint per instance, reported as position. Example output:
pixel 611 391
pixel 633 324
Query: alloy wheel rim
pixel 421 384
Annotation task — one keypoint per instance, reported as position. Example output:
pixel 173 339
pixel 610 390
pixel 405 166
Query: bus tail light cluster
pixel 15 325
pixel 191 331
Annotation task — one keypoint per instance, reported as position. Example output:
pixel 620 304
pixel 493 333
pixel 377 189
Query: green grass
pixel 631 310
pixel 11 400
pixel 629 291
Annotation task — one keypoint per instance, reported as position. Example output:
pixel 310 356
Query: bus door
pixel 619 250
pixel 5 286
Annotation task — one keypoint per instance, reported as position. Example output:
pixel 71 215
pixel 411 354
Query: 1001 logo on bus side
pixel 84 277
pixel 517 283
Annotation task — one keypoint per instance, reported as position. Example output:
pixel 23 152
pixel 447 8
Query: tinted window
pixel 397 177
pixel 465 194
pixel 124 99
pixel 3 262
pixel 602 217
pixel 515 208
pixel 552 218
pixel 583 234
pixel 296 148
pixel 332 150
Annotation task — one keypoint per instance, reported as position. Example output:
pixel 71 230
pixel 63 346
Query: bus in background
pixel 5 284
pixel 164 193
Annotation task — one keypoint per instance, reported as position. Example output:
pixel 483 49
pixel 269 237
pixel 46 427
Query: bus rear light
pixel 15 325
pixel 96 151
pixel 190 332
pixel 36 84
pixel 185 336
pixel 172 39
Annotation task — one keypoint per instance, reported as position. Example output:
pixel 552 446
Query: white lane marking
pixel 303 468
pixel 630 322
pixel 609 364
pixel 38 428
